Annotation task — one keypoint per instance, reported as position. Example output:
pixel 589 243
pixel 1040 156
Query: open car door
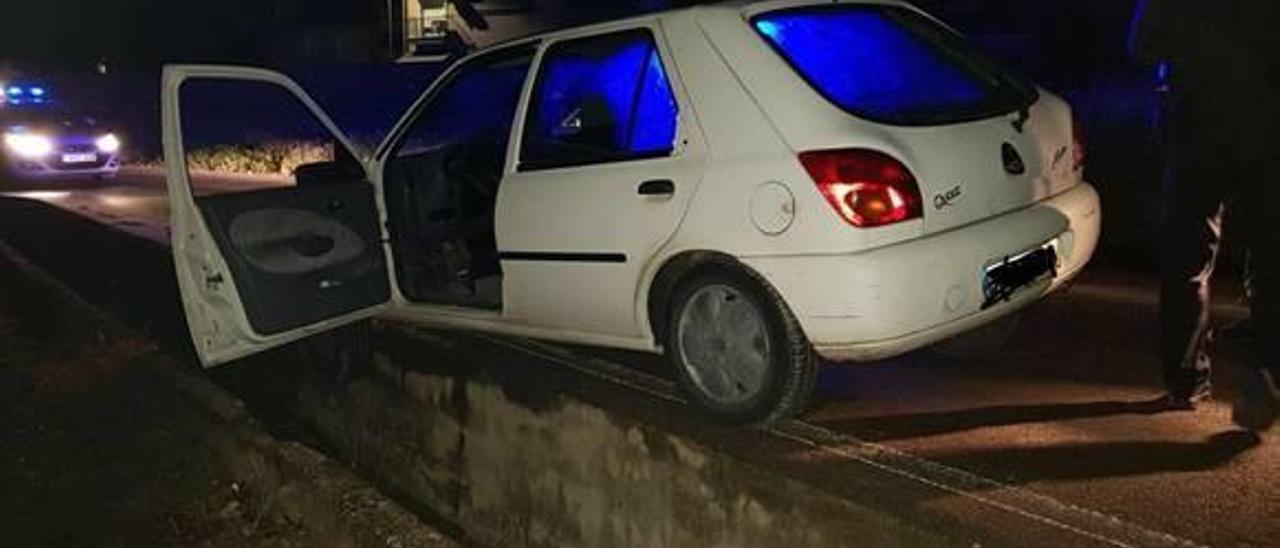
pixel 263 267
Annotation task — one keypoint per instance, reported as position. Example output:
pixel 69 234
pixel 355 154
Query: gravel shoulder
pixel 107 441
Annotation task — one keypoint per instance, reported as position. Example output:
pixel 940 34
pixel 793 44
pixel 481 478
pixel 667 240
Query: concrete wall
pixel 513 463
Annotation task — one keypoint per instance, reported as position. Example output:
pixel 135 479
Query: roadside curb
pixel 307 487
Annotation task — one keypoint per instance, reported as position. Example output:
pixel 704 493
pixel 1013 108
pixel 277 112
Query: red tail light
pixel 1078 149
pixel 867 188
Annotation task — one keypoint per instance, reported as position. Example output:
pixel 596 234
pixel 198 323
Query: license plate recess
pixel 1005 278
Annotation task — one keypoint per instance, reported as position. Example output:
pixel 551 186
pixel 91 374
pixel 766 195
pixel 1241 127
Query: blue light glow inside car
pixel 631 85
pixel 570 81
pixel 37 92
pixel 869 62
pixel 656 111
pixel 15 91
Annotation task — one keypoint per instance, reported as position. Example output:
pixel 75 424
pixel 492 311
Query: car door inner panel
pixel 300 255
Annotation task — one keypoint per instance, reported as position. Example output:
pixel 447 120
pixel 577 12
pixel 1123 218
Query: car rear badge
pixel 946 199
pixel 1013 164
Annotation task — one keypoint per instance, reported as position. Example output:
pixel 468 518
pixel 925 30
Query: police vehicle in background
pixel 45 139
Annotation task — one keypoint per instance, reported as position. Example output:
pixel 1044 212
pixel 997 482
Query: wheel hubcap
pixel 724 346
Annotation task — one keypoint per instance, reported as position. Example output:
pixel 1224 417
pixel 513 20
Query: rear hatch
pixel 979 140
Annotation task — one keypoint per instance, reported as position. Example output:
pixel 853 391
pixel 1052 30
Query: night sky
pixel 75 34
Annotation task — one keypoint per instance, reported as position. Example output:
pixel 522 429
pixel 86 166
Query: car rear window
pixel 892 65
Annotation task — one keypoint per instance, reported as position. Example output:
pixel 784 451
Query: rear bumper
pixel 889 301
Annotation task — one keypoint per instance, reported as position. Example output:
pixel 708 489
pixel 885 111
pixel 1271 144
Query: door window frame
pixel 344 149
pixel 185 74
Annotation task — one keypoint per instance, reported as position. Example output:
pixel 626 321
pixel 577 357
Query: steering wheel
pixel 467 162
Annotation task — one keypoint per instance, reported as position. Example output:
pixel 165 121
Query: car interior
pixel 442 201
pixel 308 256
pixel 441 185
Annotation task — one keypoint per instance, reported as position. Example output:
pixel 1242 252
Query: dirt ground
pixel 96 452
pixel 97 449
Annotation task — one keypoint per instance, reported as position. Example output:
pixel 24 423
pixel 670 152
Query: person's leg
pixel 1239 228
pixel 1191 229
pixel 1256 407
pixel 1244 328
pixel 1266 298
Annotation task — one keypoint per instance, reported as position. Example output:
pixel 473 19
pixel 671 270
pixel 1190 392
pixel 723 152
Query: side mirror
pixel 343 168
pixel 327 172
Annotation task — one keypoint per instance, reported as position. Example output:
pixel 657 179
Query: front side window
pixel 600 99
pixel 478 103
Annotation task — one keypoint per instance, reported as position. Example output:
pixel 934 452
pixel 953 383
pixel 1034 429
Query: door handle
pixel 657 187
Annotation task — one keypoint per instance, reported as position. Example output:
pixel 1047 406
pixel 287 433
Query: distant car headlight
pixel 108 143
pixel 28 145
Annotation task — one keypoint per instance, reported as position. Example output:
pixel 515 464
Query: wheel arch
pixel 678 268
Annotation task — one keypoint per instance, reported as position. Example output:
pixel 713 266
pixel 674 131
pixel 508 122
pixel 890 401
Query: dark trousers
pixel 1216 160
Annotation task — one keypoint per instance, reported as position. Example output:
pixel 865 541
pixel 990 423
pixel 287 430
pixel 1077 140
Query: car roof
pixel 729 8
pixel 740 4
pixel 734 7
pixel 766 5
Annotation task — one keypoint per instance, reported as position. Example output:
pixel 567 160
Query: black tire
pixel 979 343
pixel 791 367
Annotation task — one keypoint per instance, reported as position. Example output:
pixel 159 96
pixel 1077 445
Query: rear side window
pixel 600 99
pixel 892 65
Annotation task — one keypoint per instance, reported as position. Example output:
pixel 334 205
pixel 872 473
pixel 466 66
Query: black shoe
pixel 1258 403
pixel 1185 400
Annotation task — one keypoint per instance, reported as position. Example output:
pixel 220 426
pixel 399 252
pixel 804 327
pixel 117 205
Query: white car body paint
pixel 858 294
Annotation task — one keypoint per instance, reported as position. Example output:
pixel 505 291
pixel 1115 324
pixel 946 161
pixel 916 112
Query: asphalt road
pixel 135 201
pixel 1062 412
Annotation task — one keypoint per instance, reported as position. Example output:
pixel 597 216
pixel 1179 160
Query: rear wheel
pixel 738 352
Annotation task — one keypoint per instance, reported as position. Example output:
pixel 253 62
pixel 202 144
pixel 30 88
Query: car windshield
pixel 892 65
pixel 45 116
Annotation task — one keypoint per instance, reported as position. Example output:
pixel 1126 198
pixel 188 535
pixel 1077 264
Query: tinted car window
pixel 478 102
pixel 892 65
pixel 600 99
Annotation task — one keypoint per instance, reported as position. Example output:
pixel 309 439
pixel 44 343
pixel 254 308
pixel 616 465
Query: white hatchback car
pixel 747 187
